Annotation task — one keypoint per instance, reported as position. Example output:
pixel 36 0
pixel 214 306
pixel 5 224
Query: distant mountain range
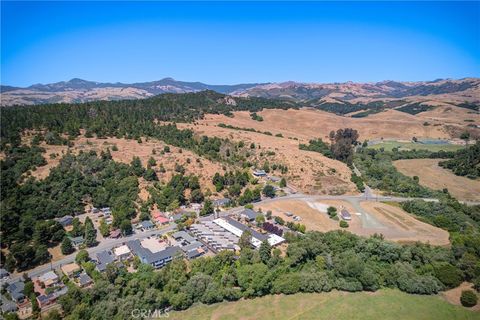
pixel 78 90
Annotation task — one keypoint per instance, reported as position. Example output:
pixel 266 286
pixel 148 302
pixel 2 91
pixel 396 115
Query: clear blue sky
pixel 225 43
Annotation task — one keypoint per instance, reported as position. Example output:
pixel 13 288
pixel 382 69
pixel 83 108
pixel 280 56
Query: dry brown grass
pixel 435 177
pixel 127 149
pixel 308 171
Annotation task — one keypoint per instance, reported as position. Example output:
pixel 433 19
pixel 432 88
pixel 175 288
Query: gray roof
pixel 177 216
pixel 104 258
pixel 4 273
pixel 192 246
pixel 84 279
pixel 250 214
pixel 345 213
pixel 148 256
pixel 7 305
pixel 147 224
pixel 65 220
pixel 221 202
pixel 193 254
pixel 16 287
pixel 77 240
pixel 185 236
pixel 243 227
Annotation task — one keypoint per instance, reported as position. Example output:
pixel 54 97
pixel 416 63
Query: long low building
pixel 215 236
pixel 238 228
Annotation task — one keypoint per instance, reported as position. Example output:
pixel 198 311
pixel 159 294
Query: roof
pixel 115 233
pixel 16 287
pixel 119 251
pixel 148 256
pixel 4 273
pixel 147 224
pixel 243 227
pixel 65 220
pixel 7 305
pixel 192 246
pixel 345 214
pixel 162 220
pixel 43 299
pixel 221 202
pixel 185 236
pixel 70 268
pixel 77 240
pixel 103 259
pixel 84 279
pixel 50 275
pixel 250 214
pixel 177 216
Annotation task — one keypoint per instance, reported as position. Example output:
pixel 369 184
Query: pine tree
pixel 265 251
pixel 67 246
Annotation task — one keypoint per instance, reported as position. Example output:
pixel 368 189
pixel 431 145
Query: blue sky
pixel 229 42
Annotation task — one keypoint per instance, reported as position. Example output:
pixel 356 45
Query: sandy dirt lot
pixel 453 295
pixel 308 171
pixel 435 177
pixel 403 227
pixel 397 225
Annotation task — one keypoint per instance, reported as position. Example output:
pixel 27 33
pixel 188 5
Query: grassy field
pixel 384 304
pixel 389 145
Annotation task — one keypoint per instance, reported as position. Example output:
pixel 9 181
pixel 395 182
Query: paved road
pixel 368 221
pixel 106 244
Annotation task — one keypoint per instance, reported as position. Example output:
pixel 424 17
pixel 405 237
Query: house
pixel 176 217
pixel 193 250
pixel 70 269
pixel 259 173
pixel 274 179
pixel 159 218
pixel 4 274
pixel 8 305
pixel 146 225
pixel 156 259
pixel 122 252
pixel 16 291
pixel 345 214
pixel 46 300
pixel 106 211
pixel 115 234
pixel 103 259
pixel 221 202
pixel 65 221
pixel 49 279
pixel 183 237
pixel 77 241
pixel 249 214
pixel 196 207
pixel 84 280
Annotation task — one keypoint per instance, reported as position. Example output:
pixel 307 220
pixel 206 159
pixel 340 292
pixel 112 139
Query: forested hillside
pixel 465 162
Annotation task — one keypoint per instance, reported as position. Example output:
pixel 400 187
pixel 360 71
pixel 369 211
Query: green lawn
pixel 389 145
pixel 384 304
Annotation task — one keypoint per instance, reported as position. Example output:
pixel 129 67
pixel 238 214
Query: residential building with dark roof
pixel 249 214
pixel 155 259
pixel 103 259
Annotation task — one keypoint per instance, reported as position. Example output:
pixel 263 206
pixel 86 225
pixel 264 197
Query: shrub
pixel 450 276
pixel 468 298
pixel 343 224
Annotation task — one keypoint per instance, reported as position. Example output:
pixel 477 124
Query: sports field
pixel 384 304
pixel 389 145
